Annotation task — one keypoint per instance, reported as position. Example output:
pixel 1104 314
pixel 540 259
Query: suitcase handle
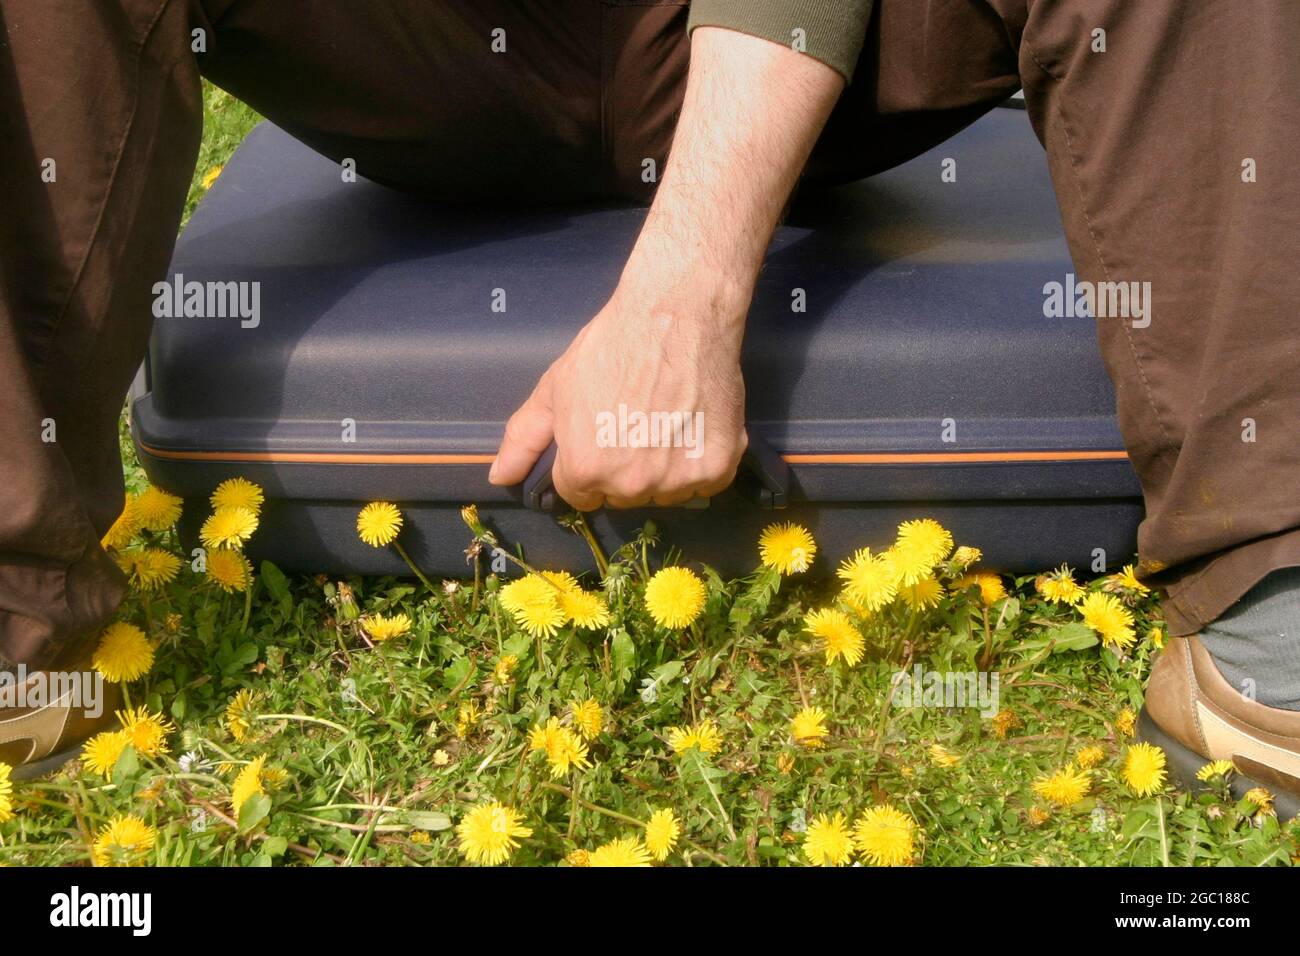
pixel 763 476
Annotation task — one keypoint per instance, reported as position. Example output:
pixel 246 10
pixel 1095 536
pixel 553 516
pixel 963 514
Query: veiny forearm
pixel 753 110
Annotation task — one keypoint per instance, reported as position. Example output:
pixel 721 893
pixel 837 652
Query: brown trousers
pixel 1173 154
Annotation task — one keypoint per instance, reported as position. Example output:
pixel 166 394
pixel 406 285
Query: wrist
pixel 671 273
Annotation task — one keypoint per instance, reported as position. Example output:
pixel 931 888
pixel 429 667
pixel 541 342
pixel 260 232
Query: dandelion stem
pixel 575 808
pixel 987 659
pixel 1164 833
pixel 307 720
pixel 584 529
pixel 411 564
pixel 478 584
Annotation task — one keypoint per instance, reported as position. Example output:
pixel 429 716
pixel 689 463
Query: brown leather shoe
pixel 1195 716
pixel 45 716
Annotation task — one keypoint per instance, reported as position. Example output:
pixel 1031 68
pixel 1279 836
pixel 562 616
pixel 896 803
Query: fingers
pixel 576 489
pixel 528 434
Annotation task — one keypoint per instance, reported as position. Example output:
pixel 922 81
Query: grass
pixel 386 747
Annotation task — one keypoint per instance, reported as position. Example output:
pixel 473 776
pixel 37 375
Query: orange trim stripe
pixel 899 458
pixel 319 458
pixel 958 457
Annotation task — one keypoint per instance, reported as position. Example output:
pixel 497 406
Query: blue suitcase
pixel 922 378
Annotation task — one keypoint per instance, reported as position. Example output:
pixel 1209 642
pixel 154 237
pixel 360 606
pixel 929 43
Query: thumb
pixel 528 434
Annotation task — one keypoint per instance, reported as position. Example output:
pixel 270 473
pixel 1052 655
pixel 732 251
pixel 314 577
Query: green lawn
pixel 340 751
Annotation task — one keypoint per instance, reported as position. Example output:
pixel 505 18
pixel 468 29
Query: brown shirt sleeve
pixel 831 30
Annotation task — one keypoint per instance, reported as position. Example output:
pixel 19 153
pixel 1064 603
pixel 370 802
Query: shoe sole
pixel 1184 764
pixel 46 765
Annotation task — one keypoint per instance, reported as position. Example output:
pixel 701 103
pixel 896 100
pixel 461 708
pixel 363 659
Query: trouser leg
pixel 99 126
pixel 1169 130
pixel 1173 157
pixel 499 101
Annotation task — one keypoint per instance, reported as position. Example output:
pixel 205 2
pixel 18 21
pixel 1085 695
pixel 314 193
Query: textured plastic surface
pixel 924 302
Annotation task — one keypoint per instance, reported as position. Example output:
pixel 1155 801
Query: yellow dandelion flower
pixel 469 515
pixel 382 628
pixel 467 717
pixel 661 833
pixel 530 589
pixel 1157 636
pixel 919 547
pixel 578 858
pixel 584 609
pixel 124 653
pixel 147 732
pixel 1261 798
pixel 562 580
pixel 228 528
pixel 124 841
pixel 102 751
pixel 420 836
pixel 544 736
pixel 378 524
pixel 563 748
pixel 789 548
pixel 965 556
pixel 884 836
pixel 1059 587
pixel 1111 620
pixel 923 595
pixel 626 852
pixel 534 603
pixel 1089 757
pixel 588 717
pixel 1127 578
pixel 210 176
pixel 229 570
pixel 1144 769
pixel 124 528
pixel 154 567
pixel 248 784
pixel 1006 721
pixel 1064 787
pixel 870 580
pixel 1215 768
pixel 1126 722
pixel 703 736
pixel 237 493
pixel 908 566
pixel 275 778
pixel 828 841
pixel 838 635
pixel 674 597
pixel 503 672
pixel 489 833
pixel 1037 816
pixel 6 792
pixel 240 715
pixel 156 510
pixel 809 727
pixel 941 756
pixel 991 588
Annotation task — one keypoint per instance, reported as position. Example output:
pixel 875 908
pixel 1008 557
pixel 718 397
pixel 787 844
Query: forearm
pixel 753 110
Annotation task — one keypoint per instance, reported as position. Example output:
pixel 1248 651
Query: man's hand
pixel 668 341
pixel 675 351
